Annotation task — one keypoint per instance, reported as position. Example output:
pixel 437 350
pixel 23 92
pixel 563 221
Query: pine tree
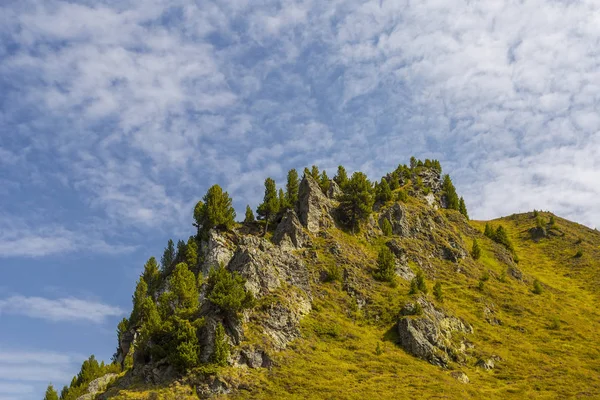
pixel 199 211
pixel 476 250
pixel 402 196
pixel 249 215
pixel 181 251
pixel 51 393
pixel 221 352
pixel 488 232
pixel 394 181
pixel 383 191
pixel 216 212
pixel 182 283
pixel 356 202
pixel 140 293
pixel 191 252
pixel 552 221
pixel 291 188
pixel 418 283
pixel 270 205
pixel 341 178
pixel 183 349
pixel 168 256
pixel 462 208
pixel 314 172
pixel 501 236
pixel 386 227
pixel 452 201
pixel 324 182
pixel 226 290
pixel 386 266
pixel 413 163
pixel 282 201
pixel 151 275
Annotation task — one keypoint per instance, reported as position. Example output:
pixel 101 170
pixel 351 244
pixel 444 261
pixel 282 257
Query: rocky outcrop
pixel 290 233
pixel 429 335
pixel 486 364
pixel 314 208
pixel 216 250
pixel 96 386
pixel 460 376
pixel 396 215
pixel 334 190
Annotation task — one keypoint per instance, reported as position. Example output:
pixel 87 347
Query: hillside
pixel 327 302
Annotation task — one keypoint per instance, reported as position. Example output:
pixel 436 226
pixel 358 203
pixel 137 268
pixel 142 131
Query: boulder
pixel 396 215
pixel 460 376
pixel 429 336
pixel 486 364
pixel 217 249
pixel 314 208
pixel 96 386
pixel 334 190
pixel 290 233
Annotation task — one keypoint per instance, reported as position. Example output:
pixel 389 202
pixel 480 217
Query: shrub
pixel 333 273
pixel 378 349
pixel 537 287
pixel 481 285
pixel 402 196
pixel 383 192
pixel 579 253
pixel 221 352
pixel 386 227
pixel 386 266
pixel 437 292
pixel 226 290
pixel 417 284
pixel 554 324
pixel 476 250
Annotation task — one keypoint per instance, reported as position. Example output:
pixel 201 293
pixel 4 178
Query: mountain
pixel 362 291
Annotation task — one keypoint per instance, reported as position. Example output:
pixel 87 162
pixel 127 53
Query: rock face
pixel 396 215
pixel 216 250
pixel 430 336
pixel 334 190
pixel 314 207
pixel 96 386
pixel 290 233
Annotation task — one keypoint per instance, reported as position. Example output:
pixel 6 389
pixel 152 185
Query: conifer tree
pixel 182 284
pixel 181 251
pixel 168 256
pixel 386 268
pixel 462 208
pixel 341 178
pixel 283 205
pixel 386 227
pixel 418 284
pixel 199 211
pixel 488 232
pixel 413 162
pixel 216 212
pixel 221 352
pixel 383 191
pixel 450 193
pixel 270 205
pixel 437 292
pixel 394 181
pixel 249 215
pixel 183 349
pixel 140 293
pixel 291 188
pixel 356 202
pixel 501 236
pixel 151 275
pixel 402 196
pixel 314 172
pixel 226 290
pixel 476 250
pixel 51 393
pixel 191 252
pixel 324 182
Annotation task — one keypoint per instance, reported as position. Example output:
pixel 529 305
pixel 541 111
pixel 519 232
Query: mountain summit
pixel 345 289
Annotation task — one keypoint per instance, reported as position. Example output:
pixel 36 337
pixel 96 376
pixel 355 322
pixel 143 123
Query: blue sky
pixel 116 116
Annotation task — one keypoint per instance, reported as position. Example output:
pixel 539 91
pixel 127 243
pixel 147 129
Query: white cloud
pixel 65 309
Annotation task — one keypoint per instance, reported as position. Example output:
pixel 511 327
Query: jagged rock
pixel 538 233
pixel 490 315
pixel 460 376
pixel 290 233
pixel 404 271
pixel 454 252
pixel 282 324
pixel 396 215
pixel 430 199
pixel 429 336
pixel 212 386
pixel 431 179
pixel 486 364
pixel 96 386
pixel 255 358
pixel 334 190
pixel 216 250
pixel 515 273
pixel 350 284
pixel 314 207
pixel 126 341
pixel 266 267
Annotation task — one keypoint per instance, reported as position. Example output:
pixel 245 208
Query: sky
pixel 116 116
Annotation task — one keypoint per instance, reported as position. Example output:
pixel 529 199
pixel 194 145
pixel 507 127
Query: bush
pixel 333 273
pixel 481 285
pixel 537 287
pixel 221 352
pixel 417 284
pixel 226 290
pixel 476 250
pixel 386 266
pixel 402 196
pixel 386 227
pixel 437 292
pixel 579 254
pixel 378 349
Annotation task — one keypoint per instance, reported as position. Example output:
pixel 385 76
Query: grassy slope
pixel 547 342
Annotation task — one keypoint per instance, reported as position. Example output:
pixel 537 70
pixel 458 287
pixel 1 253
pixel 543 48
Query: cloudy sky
pixel 117 115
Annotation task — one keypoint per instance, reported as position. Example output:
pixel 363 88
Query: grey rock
pixel 290 233
pixel 96 386
pixel 460 376
pixel 334 190
pixel 396 215
pixel 213 385
pixel 404 271
pixel 217 249
pixel 314 208
pixel 486 364
pixel 255 358
pixel 429 336
pixel 126 342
